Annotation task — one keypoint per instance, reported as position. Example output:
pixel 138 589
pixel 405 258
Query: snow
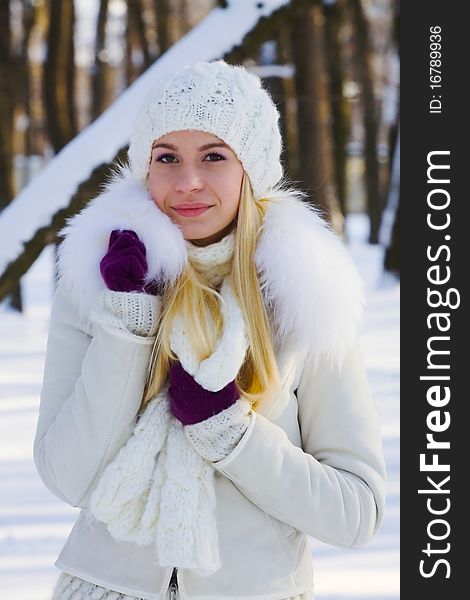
pixel 372 572
pixel 35 524
pixel 99 142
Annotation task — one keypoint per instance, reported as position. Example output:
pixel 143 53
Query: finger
pixel 125 264
pixel 123 239
pixel 128 248
pixel 119 283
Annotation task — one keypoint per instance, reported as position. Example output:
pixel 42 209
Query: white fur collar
pixel 306 274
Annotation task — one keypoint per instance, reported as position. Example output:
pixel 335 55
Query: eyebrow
pixel 201 149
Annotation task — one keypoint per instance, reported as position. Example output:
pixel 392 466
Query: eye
pixel 163 158
pixel 214 157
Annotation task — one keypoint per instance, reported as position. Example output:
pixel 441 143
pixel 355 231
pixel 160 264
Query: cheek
pixel 229 187
pixel 157 192
pixel 231 203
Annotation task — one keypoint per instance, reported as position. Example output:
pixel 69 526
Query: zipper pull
pixel 173 585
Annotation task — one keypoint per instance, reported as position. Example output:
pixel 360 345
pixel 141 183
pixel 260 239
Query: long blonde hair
pixel 190 295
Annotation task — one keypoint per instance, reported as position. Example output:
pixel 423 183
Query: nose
pixel 188 180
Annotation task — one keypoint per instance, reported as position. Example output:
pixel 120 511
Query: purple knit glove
pixel 190 403
pixel 124 266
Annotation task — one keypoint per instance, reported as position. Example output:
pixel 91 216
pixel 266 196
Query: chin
pixel 195 235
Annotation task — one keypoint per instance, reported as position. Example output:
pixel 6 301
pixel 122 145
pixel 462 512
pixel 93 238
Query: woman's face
pixel 195 179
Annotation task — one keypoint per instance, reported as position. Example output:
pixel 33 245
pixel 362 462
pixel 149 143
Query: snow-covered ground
pixel 34 524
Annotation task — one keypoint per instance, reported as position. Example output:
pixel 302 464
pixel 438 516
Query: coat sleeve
pixel 91 393
pixel 333 487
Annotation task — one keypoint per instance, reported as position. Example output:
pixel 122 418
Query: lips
pixel 191 210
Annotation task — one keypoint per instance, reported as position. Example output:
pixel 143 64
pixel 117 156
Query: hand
pixel 190 403
pixel 124 266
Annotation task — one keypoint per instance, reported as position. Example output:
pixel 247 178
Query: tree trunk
pixel 340 107
pixel 22 90
pixel 390 226
pixel 393 131
pixel 59 75
pixel 100 68
pixel 7 188
pixel 316 145
pixel 364 73
pixel 275 86
pixel 290 155
pixel 392 253
pixel 185 20
pixel 6 109
pixel 134 16
pixel 29 19
pixel 131 43
pixel 161 15
pixel 37 139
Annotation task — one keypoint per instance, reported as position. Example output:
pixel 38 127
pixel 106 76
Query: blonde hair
pixel 190 295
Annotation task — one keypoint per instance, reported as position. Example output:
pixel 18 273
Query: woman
pixel 204 400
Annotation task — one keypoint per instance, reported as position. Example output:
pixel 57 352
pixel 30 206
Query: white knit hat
pixel 224 100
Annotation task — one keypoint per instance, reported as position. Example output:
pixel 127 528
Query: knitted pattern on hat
pixel 224 100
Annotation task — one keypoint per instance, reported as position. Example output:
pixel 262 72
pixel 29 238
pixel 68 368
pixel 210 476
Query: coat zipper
pixel 174 584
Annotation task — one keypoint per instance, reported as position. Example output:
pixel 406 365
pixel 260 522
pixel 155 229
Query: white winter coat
pixel 311 461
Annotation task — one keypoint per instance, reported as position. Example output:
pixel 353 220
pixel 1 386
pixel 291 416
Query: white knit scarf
pixel 158 490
